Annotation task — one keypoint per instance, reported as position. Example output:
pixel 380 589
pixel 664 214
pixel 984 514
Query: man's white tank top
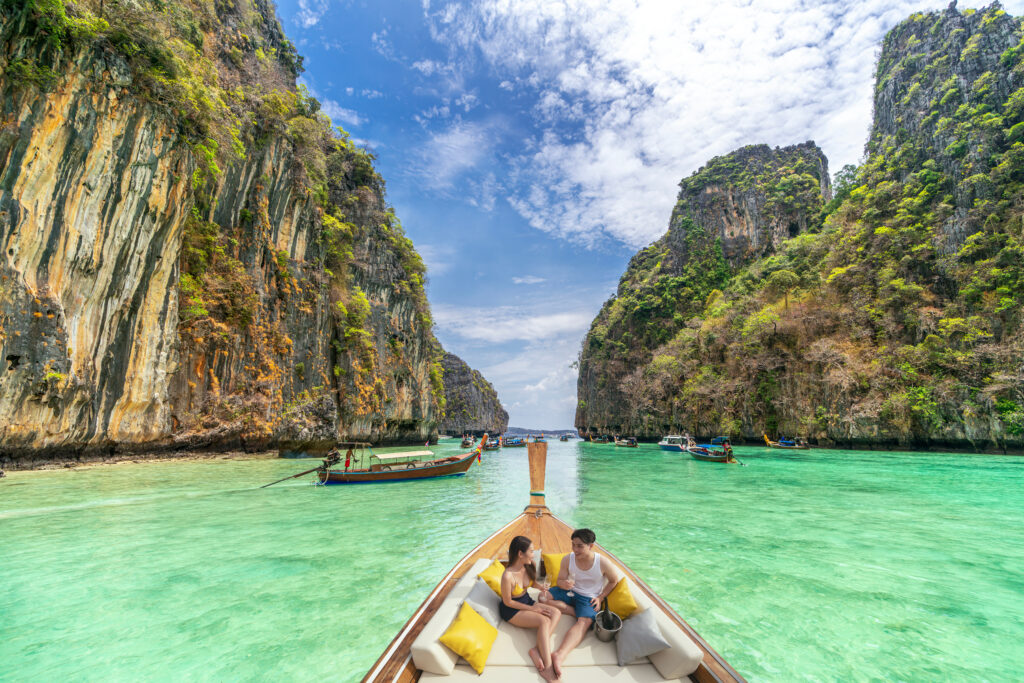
pixel 590 582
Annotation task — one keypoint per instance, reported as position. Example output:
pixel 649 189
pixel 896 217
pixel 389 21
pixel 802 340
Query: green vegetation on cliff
pixel 896 315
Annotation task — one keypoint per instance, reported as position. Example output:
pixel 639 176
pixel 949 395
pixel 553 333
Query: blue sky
pixel 530 147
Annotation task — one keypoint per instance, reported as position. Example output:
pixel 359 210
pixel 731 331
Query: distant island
pixel 522 431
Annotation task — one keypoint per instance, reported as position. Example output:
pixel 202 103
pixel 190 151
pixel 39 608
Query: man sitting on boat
pixel 584 580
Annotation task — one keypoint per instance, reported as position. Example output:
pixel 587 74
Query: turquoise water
pixel 819 565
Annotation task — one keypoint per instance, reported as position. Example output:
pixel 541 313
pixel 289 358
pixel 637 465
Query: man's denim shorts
pixel 580 603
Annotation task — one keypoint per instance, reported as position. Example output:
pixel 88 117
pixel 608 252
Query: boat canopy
pixel 407 454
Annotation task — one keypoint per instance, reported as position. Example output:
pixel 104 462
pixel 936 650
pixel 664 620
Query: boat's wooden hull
pixel 709 457
pixel 627 445
pixel 386 473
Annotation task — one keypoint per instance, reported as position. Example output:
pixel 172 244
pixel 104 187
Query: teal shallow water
pixel 819 565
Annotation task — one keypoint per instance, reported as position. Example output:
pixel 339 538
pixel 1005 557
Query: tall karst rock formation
pixel 471 403
pixel 892 317
pixel 191 255
pixel 736 209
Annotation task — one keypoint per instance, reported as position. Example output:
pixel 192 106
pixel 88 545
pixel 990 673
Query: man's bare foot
pixel 556 664
pixel 537 661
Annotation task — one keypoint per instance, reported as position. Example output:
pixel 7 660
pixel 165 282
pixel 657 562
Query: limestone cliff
pixel 192 256
pixel 471 403
pixel 896 318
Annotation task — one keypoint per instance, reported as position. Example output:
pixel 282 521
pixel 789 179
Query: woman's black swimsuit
pixel 508 612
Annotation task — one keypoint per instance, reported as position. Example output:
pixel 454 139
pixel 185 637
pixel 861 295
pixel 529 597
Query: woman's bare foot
pixel 537 661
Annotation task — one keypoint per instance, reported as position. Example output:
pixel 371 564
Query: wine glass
pixel 572 578
pixel 543 585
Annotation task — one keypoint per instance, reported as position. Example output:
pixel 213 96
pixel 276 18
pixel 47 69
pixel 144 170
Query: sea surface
pixel 818 565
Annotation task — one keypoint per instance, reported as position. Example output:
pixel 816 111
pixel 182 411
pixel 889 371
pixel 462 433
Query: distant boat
pixel 599 439
pixel 673 442
pixel 789 444
pixel 467 442
pixel 492 445
pixel 628 442
pixel 513 442
pixel 710 455
pixel 563 437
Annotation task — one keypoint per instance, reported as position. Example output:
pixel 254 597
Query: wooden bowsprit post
pixel 538 456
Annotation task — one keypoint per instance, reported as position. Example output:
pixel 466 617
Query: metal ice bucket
pixel 603 634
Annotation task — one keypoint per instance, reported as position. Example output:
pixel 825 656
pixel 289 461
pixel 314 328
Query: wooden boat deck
pixel 549 534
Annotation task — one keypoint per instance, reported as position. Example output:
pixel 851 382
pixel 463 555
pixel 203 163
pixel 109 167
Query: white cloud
pixel 340 115
pixel 310 12
pixel 449 154
pixel 660 88
pixel 440 258
pixel 427 67
pixel 507 323
pixel 467 101
pixel 528 280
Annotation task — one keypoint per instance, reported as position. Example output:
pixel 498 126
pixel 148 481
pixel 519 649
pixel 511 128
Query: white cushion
pixel 428 654
pixel 639 636
pixel 485 602
pixel 683 658
pixel 636 673
pixel 512 646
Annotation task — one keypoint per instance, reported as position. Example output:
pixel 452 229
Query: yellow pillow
pixel 621 601
pixel 492 576
pixel 552 564
pixel 470 637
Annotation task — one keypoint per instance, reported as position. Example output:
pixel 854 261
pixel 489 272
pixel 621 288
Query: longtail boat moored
pixel 513 442
pixel 788 444
pixel 416 465
pixel 416 654
pixel 628 442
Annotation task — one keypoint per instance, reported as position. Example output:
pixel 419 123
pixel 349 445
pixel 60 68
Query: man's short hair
pixel 585 535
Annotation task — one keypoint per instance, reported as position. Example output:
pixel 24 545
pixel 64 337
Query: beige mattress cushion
pixel 636 673
pixel 512 646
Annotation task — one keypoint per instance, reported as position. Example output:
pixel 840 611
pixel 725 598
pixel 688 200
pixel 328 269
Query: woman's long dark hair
pixel 520 544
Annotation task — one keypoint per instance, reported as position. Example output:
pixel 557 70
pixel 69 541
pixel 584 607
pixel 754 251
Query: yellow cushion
pixel 552 563
pixel 470 637
pixel 621 601
pixel 492 576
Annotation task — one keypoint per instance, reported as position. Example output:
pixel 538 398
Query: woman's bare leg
pixel 541 622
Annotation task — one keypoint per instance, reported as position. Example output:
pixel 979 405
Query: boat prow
pixel 549 535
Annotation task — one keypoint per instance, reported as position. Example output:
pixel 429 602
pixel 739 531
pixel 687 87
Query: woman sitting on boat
pixel 519 609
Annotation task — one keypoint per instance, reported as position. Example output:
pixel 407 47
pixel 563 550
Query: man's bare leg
pixel 572 638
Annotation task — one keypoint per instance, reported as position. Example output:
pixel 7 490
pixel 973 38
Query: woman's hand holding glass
pixel 544 586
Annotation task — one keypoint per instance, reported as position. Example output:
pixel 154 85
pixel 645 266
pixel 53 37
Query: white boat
pixel 674 443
